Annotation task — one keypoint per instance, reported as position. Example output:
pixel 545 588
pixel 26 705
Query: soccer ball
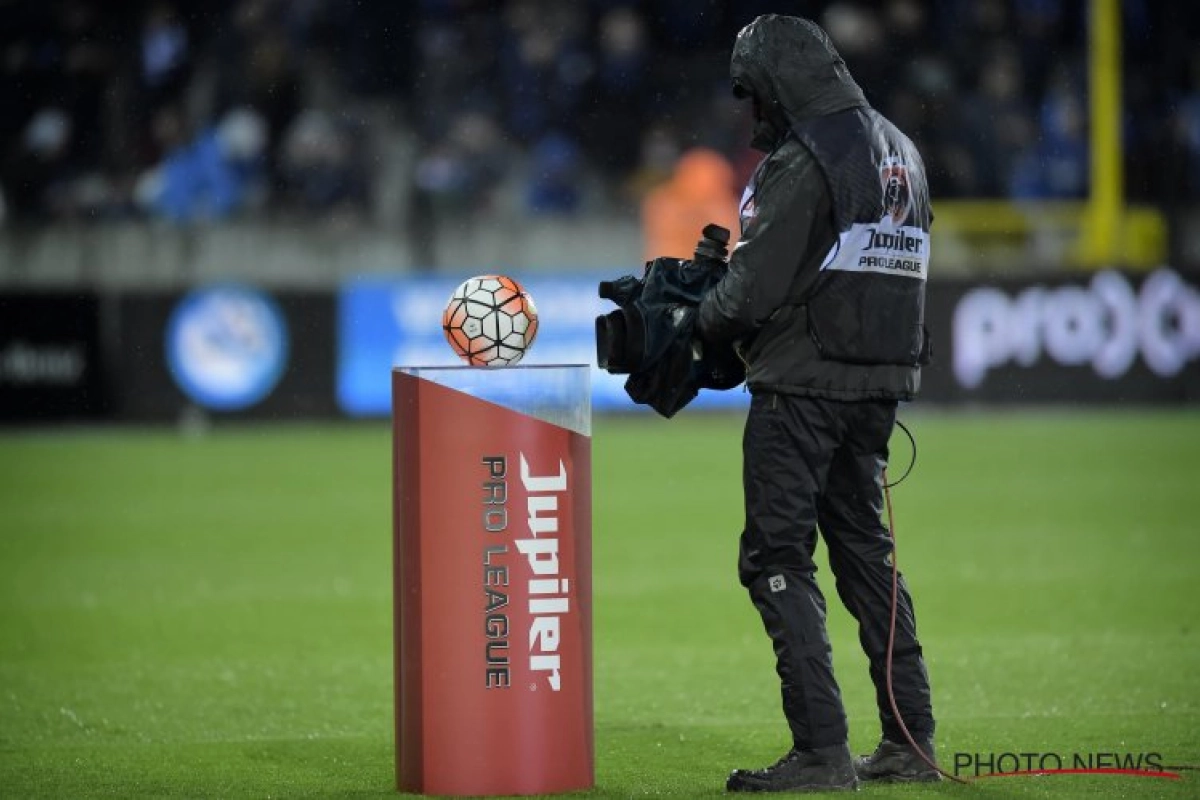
pixel 490 321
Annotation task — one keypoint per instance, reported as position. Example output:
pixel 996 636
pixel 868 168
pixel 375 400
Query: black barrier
pixel 228 351
pixel 1105 337
pixel 50 357
pixel 231 350
pixel 1109 337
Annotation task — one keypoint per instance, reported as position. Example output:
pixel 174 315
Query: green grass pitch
pixel 210 616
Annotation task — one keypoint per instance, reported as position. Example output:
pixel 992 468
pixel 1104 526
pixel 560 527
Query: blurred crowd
pixel 195 110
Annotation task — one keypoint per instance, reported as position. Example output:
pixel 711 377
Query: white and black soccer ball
pixel 490 321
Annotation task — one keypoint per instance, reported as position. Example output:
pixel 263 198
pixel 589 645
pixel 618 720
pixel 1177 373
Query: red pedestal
pixel 493 622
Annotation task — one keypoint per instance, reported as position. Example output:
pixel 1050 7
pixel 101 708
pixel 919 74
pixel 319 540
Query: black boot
pixel 894 762
pixel 825 769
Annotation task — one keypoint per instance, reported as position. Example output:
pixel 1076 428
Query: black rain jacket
pixel 806 106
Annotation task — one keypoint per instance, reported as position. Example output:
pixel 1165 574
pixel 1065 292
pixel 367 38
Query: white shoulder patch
pixel 883 247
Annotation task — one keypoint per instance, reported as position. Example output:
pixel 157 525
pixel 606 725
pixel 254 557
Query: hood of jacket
pixel 792 71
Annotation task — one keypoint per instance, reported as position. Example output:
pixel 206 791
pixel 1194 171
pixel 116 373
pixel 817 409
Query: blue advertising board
pixel 227 346
pixel 386 322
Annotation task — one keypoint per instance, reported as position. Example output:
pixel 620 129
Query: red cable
pixel 887 496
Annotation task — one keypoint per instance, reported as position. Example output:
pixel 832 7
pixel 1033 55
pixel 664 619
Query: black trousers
pixel 812 464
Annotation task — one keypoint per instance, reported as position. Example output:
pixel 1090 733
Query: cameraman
pixel 824 300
